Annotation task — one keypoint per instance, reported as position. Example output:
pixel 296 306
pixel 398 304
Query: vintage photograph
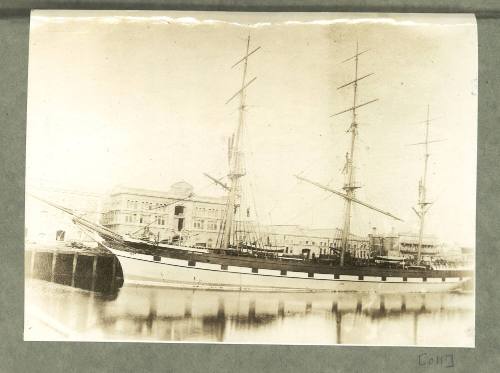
pixel 257 178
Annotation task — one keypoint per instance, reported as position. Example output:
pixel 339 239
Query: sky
pixel 138 99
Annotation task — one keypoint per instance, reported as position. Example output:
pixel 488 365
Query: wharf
pixel 94 269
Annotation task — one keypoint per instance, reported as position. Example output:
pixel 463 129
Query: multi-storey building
pixel 177 214
pixel 312 242
pixel 402 244
pixel 408 245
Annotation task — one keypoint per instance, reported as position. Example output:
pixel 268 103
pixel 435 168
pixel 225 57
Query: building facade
pixel 295 240
pixel 402 244
pixel 177 214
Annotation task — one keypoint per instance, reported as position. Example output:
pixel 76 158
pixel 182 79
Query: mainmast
pixel 350 182
pixel 236 168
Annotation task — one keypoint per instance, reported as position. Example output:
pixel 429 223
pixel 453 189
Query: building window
pixel 198 224
pixel 60 235
pixel 212 225
pixel 160 220
pixel 179 210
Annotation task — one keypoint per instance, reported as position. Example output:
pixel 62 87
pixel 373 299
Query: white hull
pixel 143 270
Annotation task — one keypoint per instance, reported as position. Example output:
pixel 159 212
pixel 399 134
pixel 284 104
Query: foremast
pixel 350 185
pixel 236 167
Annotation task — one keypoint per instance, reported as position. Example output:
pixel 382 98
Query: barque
pixel 242 263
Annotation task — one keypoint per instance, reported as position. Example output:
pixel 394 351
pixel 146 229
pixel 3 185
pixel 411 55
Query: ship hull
pixel 151 270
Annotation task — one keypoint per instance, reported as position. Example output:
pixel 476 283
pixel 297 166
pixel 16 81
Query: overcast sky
pixel 138 100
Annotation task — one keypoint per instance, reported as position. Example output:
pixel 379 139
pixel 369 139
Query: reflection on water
pixel 162 314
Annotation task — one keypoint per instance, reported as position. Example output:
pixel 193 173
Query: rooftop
pixel 177 190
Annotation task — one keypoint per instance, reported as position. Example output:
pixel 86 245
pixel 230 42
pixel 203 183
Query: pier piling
pixel 73 272
pixel 53 267
pixel 94 272
pixel 113 274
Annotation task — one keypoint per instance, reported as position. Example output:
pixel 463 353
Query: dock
pixel 92 269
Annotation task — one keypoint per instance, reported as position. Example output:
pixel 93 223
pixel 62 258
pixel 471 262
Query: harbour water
pixel 132 313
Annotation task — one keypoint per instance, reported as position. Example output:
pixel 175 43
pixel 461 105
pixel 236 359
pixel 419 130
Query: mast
pixel 422 190
pixel 423 204
pixel 236 169
pixel 350 186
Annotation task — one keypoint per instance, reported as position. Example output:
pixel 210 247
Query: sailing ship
pixel 243 263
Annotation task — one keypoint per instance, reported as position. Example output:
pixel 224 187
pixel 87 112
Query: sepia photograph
pixel 251 178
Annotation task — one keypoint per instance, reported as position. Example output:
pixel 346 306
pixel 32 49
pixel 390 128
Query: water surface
pixel 134 313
